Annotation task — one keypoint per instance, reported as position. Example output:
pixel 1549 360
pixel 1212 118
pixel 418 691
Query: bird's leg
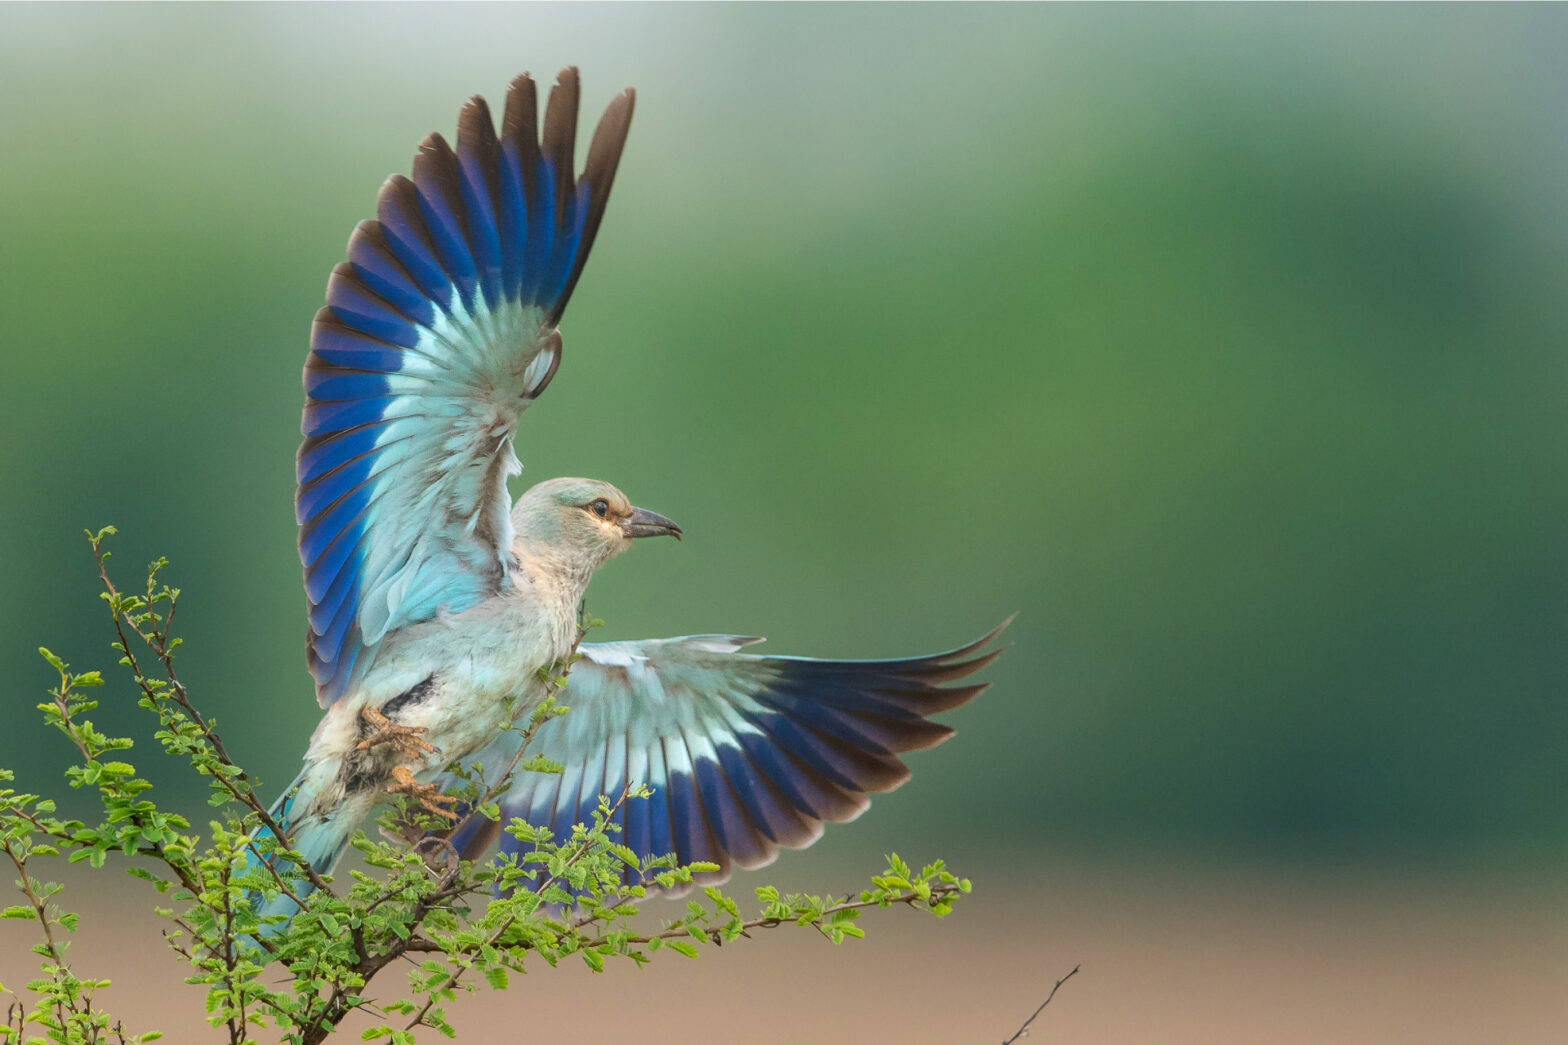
pixel 428 795
pixel 384 731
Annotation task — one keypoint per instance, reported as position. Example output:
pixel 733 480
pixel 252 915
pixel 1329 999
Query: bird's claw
pixel 427 795
pixel 383 730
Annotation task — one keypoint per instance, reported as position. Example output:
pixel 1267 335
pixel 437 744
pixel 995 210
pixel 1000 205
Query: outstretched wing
pixel 745 753
pixel 438 332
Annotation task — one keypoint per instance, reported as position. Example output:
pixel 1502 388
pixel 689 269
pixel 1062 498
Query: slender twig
pixel 56 952
pixel 938 894
pixel 230 959
pixel 176 692
pixel 451 980
pixel 1023 1030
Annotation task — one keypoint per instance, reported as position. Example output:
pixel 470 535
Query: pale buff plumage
pixel 461 678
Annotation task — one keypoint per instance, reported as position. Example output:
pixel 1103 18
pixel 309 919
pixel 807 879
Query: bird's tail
pixel 315 834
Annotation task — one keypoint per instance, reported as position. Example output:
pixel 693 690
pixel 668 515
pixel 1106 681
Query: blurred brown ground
pixel 1169 953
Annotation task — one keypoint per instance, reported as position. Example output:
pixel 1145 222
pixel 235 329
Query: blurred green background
pixel 1229 345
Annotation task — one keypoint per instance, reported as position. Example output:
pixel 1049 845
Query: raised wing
pixel 746 754
pixel 438 332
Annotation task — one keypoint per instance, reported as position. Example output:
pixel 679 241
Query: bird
pixel 438 609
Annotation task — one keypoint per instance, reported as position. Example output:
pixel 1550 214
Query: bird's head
pixel 583 521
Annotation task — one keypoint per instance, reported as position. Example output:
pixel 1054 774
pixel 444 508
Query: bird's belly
pixel 459 682
pixel 464 716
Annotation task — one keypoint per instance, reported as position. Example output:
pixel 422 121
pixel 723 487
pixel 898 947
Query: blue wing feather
pixel 398 211
pixel 329 415
pixel 319 457
pixel 745 754
pixel 380 270
pixel 512 214
pixel 661 837
pixel 428 341
pixel 443 222
pixel 732 827
pixel 342 384
pixel 816 797
pixel 477 159
pixel 768 808
pixel 540 210
pixel 336 344
pixel 360 307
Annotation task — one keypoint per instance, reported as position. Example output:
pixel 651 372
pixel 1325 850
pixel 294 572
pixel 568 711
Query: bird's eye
pixel 599 507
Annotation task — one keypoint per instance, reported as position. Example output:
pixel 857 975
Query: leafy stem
pixel 419 905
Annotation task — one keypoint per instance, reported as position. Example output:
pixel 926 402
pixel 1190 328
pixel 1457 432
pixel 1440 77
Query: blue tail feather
pixel 319 840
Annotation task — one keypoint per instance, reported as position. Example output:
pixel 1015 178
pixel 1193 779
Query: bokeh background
pixel 1228 345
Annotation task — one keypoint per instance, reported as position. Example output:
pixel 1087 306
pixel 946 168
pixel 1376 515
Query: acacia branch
pixel 159 642
pixel 715 935
pixel 938 894
pixel 506 923
pixel 56 951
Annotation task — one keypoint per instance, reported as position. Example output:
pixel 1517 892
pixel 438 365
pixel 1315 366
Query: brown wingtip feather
pixel 604 158
pixel 435 172
pixel 520 120
pixel 986 639
pixel 939 670
pixel 475 128
pixel 559 140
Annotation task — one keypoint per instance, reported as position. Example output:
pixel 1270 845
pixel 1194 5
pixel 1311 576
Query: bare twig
pixel 1024 1030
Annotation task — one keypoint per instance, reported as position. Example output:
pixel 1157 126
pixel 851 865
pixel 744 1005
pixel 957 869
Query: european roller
pixel 434 601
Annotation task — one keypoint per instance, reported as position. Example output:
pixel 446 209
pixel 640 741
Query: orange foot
pixel 406 739
pixel 428 795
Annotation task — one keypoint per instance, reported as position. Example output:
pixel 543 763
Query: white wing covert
pixel 746 754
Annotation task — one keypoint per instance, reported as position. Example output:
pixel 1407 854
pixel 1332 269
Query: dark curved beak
pixel 643 523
